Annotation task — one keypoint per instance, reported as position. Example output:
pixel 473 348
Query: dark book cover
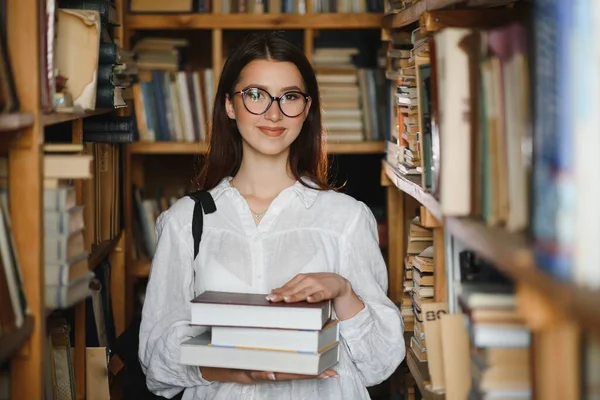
pixel 249 299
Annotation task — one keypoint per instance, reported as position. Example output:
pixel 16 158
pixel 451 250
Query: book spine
pixel 553 186
pixel 113 124
pixel 109 137
pixel 108 53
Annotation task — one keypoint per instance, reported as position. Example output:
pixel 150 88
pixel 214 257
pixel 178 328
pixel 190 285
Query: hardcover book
pixel 254 310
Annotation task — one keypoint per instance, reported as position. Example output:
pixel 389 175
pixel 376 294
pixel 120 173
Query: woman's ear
pixel 229 107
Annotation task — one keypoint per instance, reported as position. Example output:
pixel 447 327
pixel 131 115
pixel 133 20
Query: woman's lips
pixel 271 132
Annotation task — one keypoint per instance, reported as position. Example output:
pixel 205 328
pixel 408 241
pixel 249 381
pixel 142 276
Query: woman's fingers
pixel 281 376
pixel 263 376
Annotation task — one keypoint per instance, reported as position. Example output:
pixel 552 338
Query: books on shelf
pixel 247 331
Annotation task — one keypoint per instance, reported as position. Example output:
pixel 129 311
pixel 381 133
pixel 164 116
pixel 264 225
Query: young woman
pixel 279 229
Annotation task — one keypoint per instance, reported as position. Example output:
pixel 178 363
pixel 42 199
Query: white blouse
pixel 304 230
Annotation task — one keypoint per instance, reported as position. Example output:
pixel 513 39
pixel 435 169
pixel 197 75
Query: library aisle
pixel 467 127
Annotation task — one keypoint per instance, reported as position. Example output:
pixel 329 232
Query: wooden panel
pixel 202 147
pixel 118 283
pixel 25 183
pixel 309 43
pixel 258 21
pixel 439 260
pixel 79 325
pixel 396 243
pixel 79 362
pixel 557 363
pixel 433 21
pixel 57 118
pixel 15 121
pixel 217 56
pixel 413 13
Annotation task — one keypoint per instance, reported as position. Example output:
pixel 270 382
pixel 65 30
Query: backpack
pixel 124 364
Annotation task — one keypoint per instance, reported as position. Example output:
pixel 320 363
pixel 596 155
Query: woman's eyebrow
pixel 285 89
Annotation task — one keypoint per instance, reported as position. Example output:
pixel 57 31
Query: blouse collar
pixel 306 193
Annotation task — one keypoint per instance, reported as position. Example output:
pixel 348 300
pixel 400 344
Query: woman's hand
pixel 252 377
pixel 320 286
pixel 314 287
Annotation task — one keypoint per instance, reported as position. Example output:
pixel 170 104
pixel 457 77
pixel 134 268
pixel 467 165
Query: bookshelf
pixel 561 315
pixel 22 141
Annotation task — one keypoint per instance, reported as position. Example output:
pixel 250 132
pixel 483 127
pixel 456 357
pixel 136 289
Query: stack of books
pixel 249 332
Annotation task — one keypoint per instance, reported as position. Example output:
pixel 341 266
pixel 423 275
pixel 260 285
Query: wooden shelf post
pixel 25 190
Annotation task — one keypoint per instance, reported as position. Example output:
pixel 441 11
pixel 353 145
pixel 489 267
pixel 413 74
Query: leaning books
pixel 249 332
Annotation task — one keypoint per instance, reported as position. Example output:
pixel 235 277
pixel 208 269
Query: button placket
pixel 258 260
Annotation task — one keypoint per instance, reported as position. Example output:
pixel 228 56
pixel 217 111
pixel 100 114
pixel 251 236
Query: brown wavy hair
pixel 308 153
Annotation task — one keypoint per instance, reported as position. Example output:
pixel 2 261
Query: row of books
pixel 254 6
pixel 247 331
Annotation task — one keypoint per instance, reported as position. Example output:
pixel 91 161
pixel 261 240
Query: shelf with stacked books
pixel 414 12
pixel 513 254
pixel 60 117
pixel 413 189
pixel 15 121
pixel 367 147
pixel 12 341
pixel 257 21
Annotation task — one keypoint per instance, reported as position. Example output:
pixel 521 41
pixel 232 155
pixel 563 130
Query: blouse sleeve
pixel 166 310
pixel 375 335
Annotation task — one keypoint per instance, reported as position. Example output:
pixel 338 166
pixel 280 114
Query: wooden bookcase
pixel 22 138
pixel 556 312
pixel 219 24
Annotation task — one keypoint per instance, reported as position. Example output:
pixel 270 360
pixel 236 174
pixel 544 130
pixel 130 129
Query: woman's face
pixel 272 132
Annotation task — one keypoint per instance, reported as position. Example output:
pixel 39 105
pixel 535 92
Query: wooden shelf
pixel 58 117
pixel 413 13
pixel 15 121
pixel 101 250
pixel 418 369
pixel 258 21
pixel 165 148
pixel 12 342
pixel 413 190
pixel 139 268
pixel 513 254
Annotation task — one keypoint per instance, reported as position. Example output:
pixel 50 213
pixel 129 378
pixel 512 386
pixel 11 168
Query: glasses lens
pixel 256 100
pixel 292 103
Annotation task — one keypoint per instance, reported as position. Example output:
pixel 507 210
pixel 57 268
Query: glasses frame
pixel 272 99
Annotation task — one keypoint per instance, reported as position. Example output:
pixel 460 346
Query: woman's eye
pixel 291 96
pixel 255 95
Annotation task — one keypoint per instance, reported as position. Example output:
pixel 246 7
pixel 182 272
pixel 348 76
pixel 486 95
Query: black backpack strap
pixel 204 205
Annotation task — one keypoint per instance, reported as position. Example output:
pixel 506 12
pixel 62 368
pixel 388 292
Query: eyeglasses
pixel 258 101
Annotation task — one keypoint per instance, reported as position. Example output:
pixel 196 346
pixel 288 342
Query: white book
pixel 199 351
pixel 307 341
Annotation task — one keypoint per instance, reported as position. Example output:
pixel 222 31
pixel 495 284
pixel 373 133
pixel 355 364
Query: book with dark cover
pixel 254 310
pixel 249 299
